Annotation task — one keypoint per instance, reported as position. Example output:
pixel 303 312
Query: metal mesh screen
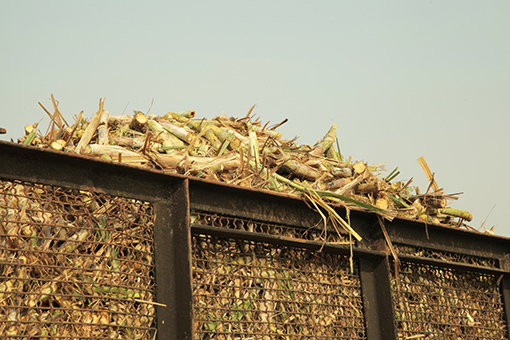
pixel 254 290
pixel 445 255
pixel 74 264
pixel 440 303
pixel 237 223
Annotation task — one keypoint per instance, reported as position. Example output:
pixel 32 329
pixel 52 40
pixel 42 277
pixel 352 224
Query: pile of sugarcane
pixel 243 151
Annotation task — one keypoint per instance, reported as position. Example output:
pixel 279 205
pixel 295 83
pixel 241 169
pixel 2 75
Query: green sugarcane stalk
pixel 224 147
pixel 224 134
pixel 182 114
pixel 456 213
pixel 208 133
pixel 340 157
pixel 177 131
pixel 392 175
pixel 325 143
pixel 398 201
pixel 253 146
pixel 31 136
pixel 155 126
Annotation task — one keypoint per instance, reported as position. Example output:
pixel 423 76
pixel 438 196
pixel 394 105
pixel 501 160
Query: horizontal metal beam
pixel 251 203
pixel 452 265
pixel 18 162
pixel 331 247
pixel 448 239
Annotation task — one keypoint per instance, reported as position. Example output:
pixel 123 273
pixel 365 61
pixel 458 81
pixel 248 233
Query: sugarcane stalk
pixel 392 174
pixel 271 133
pixel 199 163
pixel 178 131
pixel 435 202
pixel 398 201
pixel 337 183
pixel 178 115
pixel 325 143
pixel 102 129
pixel 139 121
pixel 205 128
pixel 456 213
pixel 32 133
pixel 331 153
pixel 115 262
pixel 164 135
pixel 341 172
pixel 131 142
pixel 300 170
pixel 116 121
pixel 224 134
pixel 111 150
pixel 224 147
pixel 340 157
pixel 371 187
pixel 253 145
pixel 90 130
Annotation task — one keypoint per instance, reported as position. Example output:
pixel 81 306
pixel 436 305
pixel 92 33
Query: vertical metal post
pixel 173 265
pixel 377 298
pixel 505 292
pixel 504 263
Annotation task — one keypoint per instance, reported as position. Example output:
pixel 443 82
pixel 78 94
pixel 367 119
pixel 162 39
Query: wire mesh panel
pixel 253 290
pixel 440 303
pixel 74 264
pixel 445 255
pixel 313 234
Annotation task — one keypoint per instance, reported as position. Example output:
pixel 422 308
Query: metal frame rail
pixel 175 197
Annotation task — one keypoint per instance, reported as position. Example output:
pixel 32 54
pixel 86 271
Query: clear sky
pixel 402 79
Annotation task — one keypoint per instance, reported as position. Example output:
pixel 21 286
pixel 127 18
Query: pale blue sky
pixel 402 79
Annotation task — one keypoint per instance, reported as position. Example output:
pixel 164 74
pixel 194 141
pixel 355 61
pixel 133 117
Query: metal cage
pixel 94 250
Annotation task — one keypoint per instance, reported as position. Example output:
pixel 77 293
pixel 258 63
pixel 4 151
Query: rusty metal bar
pixel 330 247
pixel 377 299
pixel 80 172
pixel 452 265
pixel 250 203
pixel 447 239
pixel 505 289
